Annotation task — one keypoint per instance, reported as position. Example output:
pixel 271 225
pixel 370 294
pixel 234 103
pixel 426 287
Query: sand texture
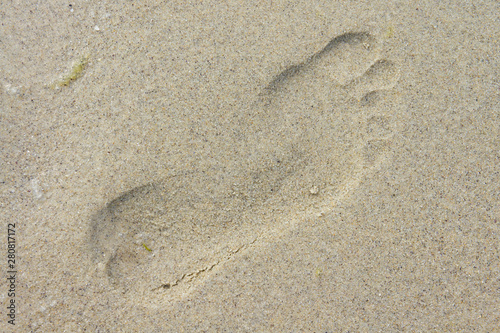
pixel 268 166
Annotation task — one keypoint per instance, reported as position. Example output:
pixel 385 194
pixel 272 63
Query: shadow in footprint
pixel 308 134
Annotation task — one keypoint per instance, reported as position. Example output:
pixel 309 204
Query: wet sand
pixel 251 167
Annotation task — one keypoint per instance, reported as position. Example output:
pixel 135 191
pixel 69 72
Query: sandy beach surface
pixel 250 166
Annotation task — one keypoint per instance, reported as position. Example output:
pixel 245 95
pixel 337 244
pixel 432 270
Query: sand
pixel 250 166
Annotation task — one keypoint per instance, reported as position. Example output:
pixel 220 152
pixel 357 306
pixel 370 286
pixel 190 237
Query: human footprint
pixel 310 132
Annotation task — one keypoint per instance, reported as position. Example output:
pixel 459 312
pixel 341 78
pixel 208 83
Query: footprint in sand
pixel 311 135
